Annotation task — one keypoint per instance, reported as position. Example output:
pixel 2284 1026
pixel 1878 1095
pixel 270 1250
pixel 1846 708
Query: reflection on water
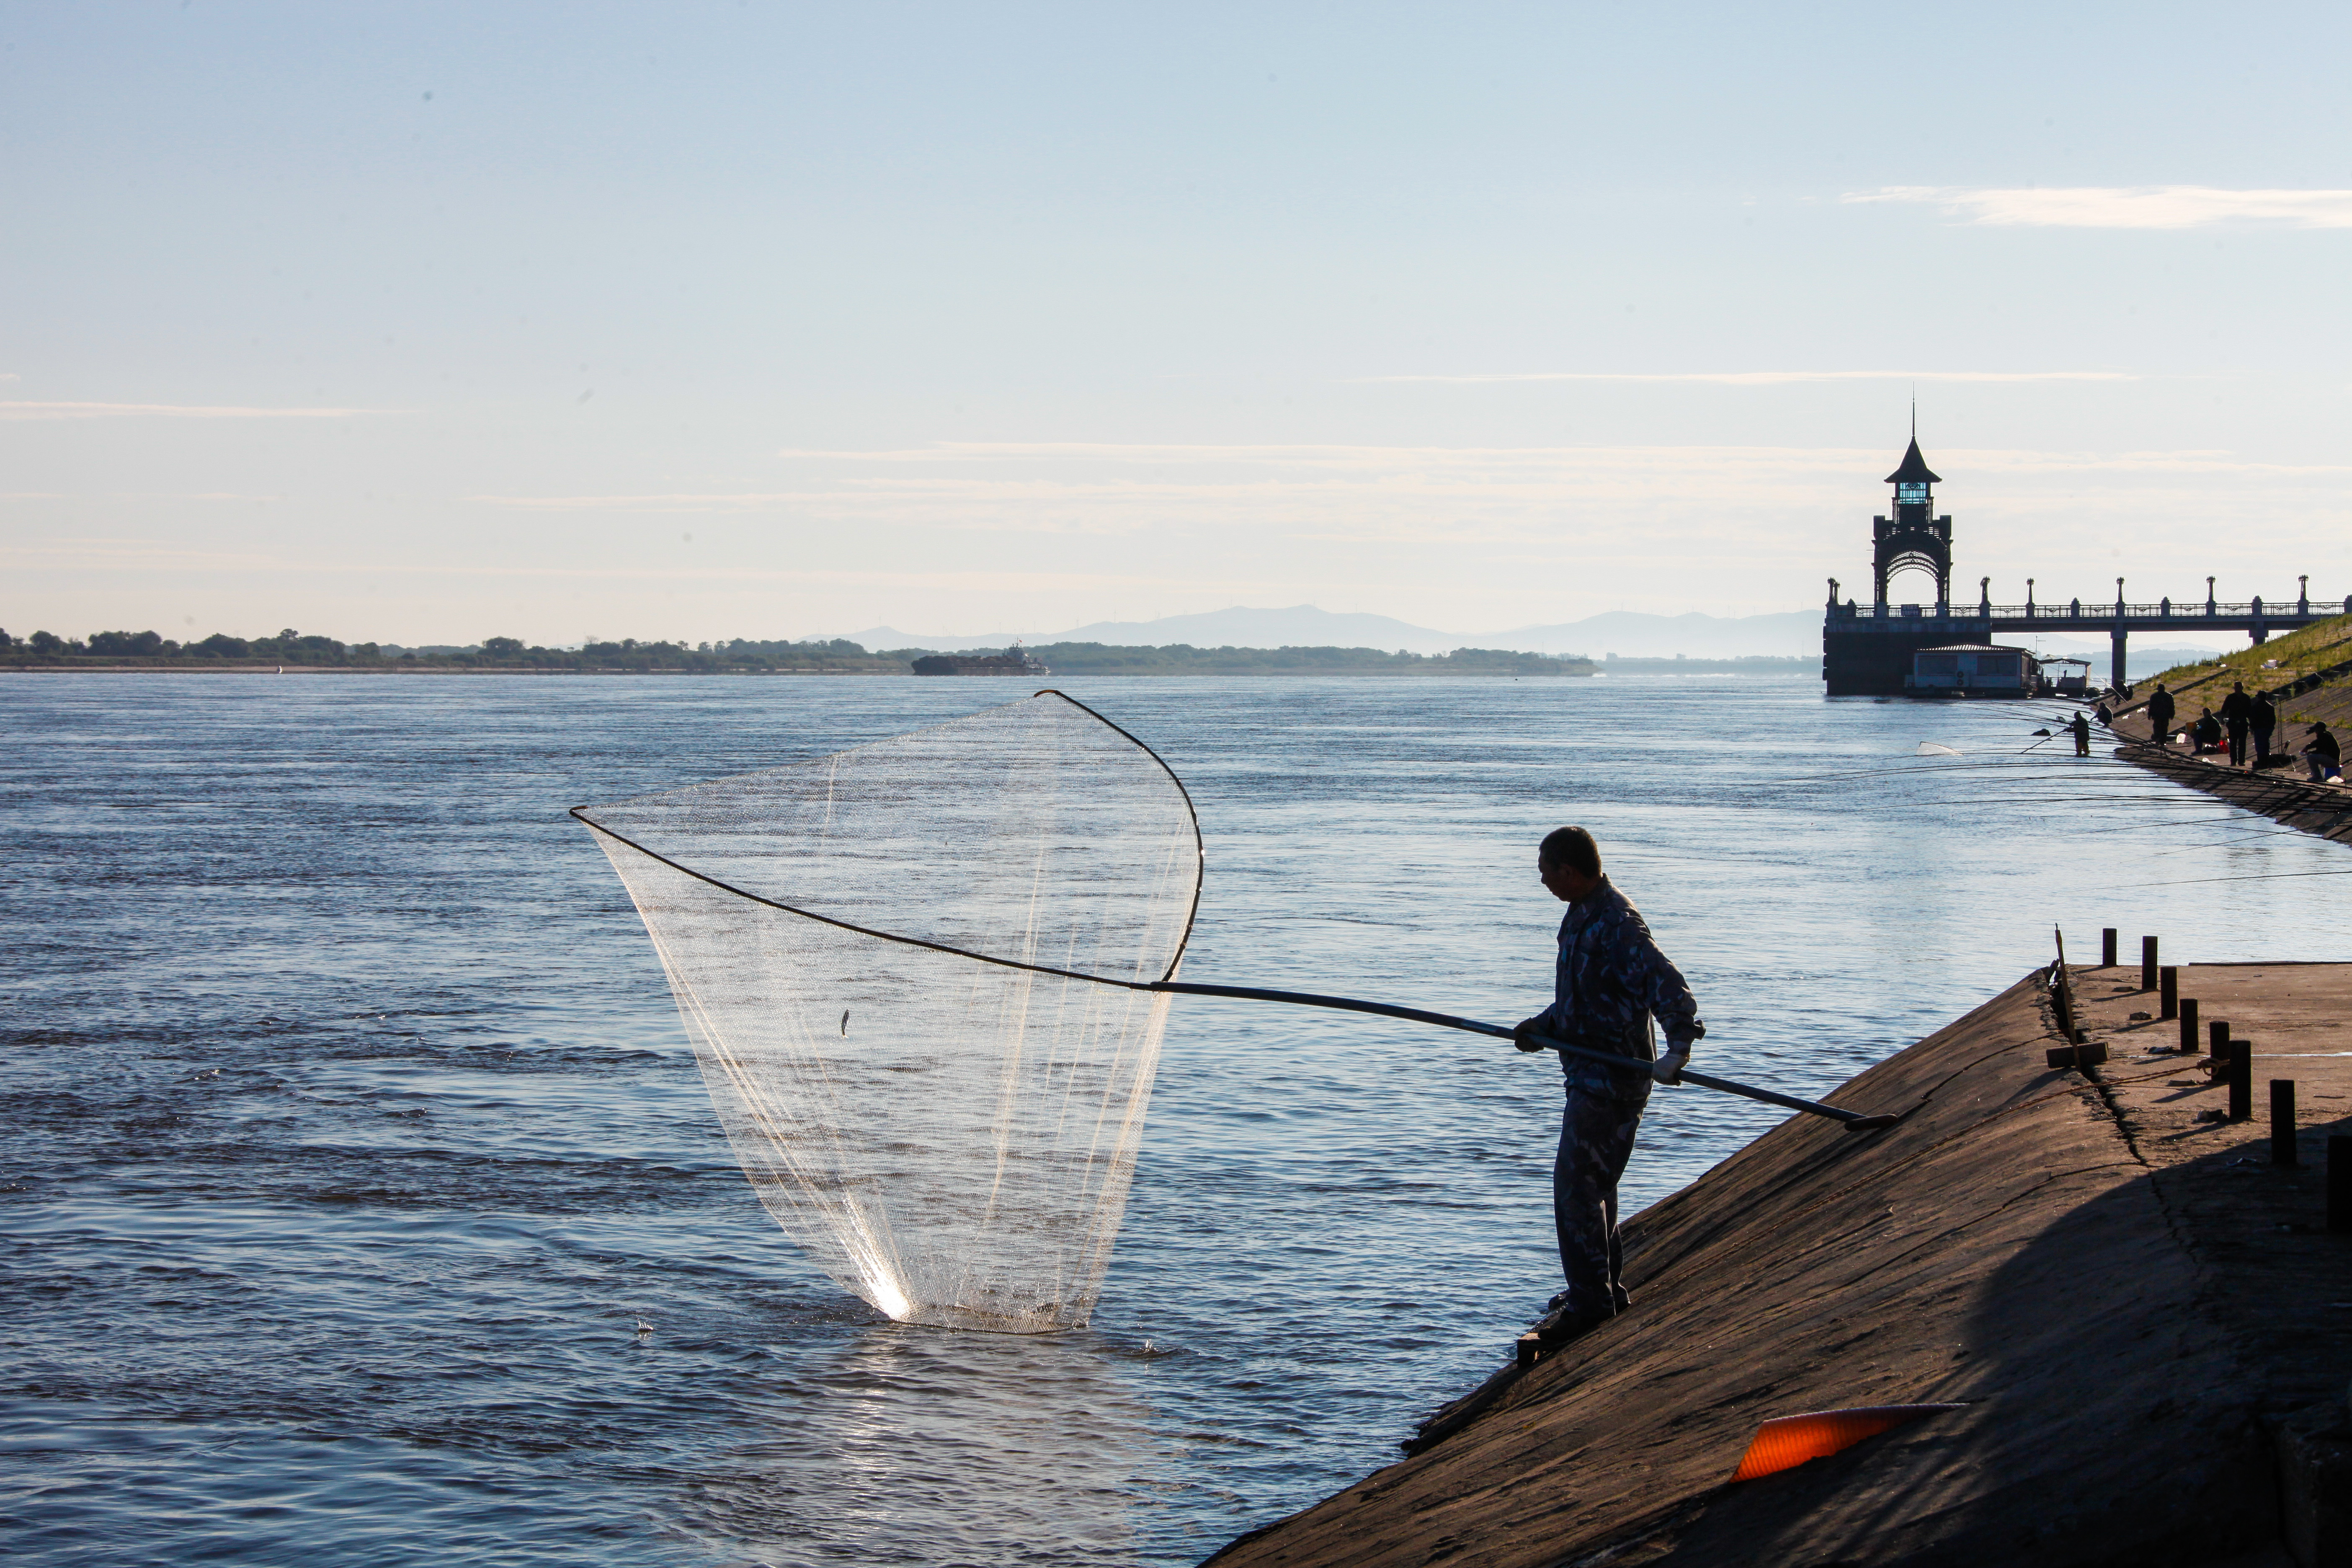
pixel 1013 1447
pixel 348 1127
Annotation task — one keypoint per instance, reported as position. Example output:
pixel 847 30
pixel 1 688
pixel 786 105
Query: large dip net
pixel 912 974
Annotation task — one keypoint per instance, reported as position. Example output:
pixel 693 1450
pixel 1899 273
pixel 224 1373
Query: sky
pixel 425 322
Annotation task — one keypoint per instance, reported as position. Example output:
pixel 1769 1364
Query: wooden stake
pixel 2281 1121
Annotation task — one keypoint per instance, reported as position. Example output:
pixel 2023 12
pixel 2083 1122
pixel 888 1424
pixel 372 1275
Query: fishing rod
pixel 1852 1120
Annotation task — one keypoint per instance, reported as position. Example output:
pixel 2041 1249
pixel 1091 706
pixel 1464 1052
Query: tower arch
pixel 1914 539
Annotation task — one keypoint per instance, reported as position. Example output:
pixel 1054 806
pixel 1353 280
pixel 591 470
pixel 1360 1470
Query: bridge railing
pixel 2180 610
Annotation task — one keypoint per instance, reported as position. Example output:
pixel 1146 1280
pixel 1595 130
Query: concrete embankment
pixel 2146 1319
pixel 2309 675
pixel 2282 794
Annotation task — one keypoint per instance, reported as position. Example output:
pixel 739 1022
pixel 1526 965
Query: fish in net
pixel 922 979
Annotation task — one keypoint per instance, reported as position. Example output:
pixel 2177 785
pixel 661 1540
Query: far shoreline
pixel 438 670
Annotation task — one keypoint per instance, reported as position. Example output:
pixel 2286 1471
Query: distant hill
pixel 1627 633
pixel 1302 626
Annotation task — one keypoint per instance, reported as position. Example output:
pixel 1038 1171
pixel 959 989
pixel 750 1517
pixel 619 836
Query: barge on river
pixel 1015 660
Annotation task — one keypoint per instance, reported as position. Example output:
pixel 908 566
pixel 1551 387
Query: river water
pixel 349 1127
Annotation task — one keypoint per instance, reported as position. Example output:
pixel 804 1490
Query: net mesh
pixel 861 948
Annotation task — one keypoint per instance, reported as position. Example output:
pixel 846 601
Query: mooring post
pixel 2217 1038
pixel 2242 1080
pixel 2339 1182
pixel 2281 1121
pixel 2168 991
pixel 2188 1040
pixel 2147 964
pixel 2062 998
pixel 2107 948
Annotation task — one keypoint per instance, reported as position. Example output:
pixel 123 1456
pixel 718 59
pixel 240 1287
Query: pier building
pixel 1869 650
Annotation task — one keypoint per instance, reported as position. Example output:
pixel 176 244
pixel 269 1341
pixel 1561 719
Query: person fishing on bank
pixel 2081 730
pixel 2238 712
pixel 2206 732
pixel 2322 754
pixel 2265 720
pixel 1610 981
pixel 2159 716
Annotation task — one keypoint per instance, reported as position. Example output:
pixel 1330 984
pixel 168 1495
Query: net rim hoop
pixel 1200 858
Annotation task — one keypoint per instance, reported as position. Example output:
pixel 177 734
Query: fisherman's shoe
pixel 1625 1299
pixel 1559 1327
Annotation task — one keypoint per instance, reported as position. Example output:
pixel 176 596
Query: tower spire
pixel 1915 538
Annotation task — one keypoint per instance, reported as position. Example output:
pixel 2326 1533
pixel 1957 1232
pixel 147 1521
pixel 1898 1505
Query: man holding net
pixel 1611 982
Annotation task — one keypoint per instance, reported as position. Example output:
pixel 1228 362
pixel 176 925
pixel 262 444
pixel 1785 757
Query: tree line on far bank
pixel 152 650
pixel 149 650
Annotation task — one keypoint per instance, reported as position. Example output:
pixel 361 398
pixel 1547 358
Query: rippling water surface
pixel 349 1127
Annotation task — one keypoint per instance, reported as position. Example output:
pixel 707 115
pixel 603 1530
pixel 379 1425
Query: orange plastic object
pixel 1787 1441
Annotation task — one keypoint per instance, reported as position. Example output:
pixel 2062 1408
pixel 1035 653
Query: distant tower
pixel 1917 537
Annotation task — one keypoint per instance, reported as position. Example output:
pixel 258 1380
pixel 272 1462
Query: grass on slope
pixel 2320 647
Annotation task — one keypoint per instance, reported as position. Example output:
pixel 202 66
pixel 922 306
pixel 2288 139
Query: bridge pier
pixel 2120 678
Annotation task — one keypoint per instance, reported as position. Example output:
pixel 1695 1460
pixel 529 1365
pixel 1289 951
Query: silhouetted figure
pixel 2159 716
pixel 1610 983
pixel 2265 719
pixel 2206 732
pixel 2080 728
pixel 2321 754
pixel 2237 710
pixel 2106 719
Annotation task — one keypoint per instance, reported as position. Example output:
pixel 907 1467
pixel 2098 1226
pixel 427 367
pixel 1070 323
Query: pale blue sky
pixel 970 317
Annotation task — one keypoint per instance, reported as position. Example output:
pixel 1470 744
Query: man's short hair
pixel 1572 847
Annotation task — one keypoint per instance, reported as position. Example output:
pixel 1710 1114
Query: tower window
pixel 1910 495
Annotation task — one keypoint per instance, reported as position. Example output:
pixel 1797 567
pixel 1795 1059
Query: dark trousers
pixel 1596 1139
pixel 2237 743
pixel 2082 744
pixel 2261 741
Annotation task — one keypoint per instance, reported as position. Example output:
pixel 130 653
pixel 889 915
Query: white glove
pixel 1669 1069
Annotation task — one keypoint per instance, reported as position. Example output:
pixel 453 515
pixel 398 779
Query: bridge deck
pixel 2257 614
pixel 1867 651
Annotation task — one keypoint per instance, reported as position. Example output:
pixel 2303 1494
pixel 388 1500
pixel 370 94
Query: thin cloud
pixel 1305 453
pixel 2122 207
pixel 1402 494
pixel 1492 531
pixel 171 411
pixel 140 495
pixel 715 501
pixel 1767 377
pixel 138 554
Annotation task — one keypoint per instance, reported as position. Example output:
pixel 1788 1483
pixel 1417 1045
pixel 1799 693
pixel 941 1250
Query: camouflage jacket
pixel 1610 980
